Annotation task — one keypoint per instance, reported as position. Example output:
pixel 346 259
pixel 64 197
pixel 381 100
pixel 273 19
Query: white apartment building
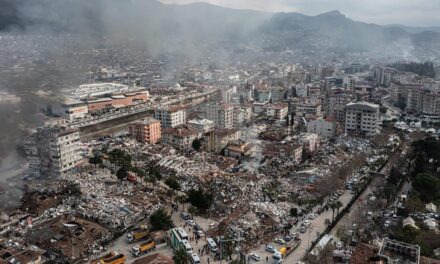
pixel 221 114
pixel 362 117
pixel 277 111
pixel 309 141
pixel 278 93
pixel 56 151
pixel 201 125
pixel 348 83
pixel 242 114
pixel 336 103
pixel 325 128
pixel 302 90
pixel 264 95
pixel 172 117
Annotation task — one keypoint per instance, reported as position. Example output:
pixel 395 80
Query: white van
pixel 212 245
pixel 187 246
pixel 194 258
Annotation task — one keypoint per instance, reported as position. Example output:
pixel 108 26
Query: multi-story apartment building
pixel 336 102
pixel 325 128
pixel 383 75
pixel 221 113
pixel 180 137
pixel 309 141
pixel 242 114
pixel 309 108
pixel 348 82
pixel 264 95
pixel 362 118
pixel 219 139
pixel 146 131
pixel 278 94
pixel 171 117
pixel 277 111
pixel 55 151
pixel 201 125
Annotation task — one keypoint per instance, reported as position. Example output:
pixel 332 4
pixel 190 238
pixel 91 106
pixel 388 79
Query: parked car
pixel 280 241
pixel 270 248
pixel 306 223
pixel 255 256
pixel 191 222
pixel 287 238
pixel 339 244
pixel 185 216
pixel 303 229
pixel 312 216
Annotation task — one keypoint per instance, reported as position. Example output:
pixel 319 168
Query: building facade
pixel 221 114
pixel 362 117
pixel 146 131
pixel 325 128
pixel 54 152
pixel 201 125
pixel 170 118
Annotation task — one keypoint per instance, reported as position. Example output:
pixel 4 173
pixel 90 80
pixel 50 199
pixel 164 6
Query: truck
pixel 109 255
pixel 118 259
pixel 143 248
pixel 281 254
pixel 137 235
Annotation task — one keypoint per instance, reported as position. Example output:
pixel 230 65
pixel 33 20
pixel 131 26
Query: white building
pixel 201 125
pixel 277 111
pixel 309 141
pixel 227 95
pixel 348 83
pixel 242 114
pixel 57 151
pixel 302 90
pixel 172 117
pixel 221 114
pixel 325 128
pixel 100 89
pixel 69 109
pixel 362 117
pixel 264 95
pixel 278 93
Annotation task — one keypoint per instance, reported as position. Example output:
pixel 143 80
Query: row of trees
pixel 424 69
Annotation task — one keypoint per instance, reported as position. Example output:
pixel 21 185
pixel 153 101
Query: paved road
pixel 315 229
pixel 347 220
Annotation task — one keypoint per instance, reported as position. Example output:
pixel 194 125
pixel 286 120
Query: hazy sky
pixel 405 12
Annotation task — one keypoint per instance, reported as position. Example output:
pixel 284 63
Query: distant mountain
pixel 176 27
pixel 416 30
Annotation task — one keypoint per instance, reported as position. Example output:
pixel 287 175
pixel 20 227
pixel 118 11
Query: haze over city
pixel 180 131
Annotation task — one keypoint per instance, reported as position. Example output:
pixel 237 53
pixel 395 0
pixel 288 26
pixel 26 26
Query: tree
pixel 180 256
pixel 196 144
pixel 200 199
pixel 293 212
pixel 192 210
pixel 120 158
pixel 338 206
pixel 172 183
pixel 427 186
pixel 122 173
pixel 140 173
pixel 161 220
pixel 95 159
pixel 155 173
pixel 150 179
pixel 333 207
